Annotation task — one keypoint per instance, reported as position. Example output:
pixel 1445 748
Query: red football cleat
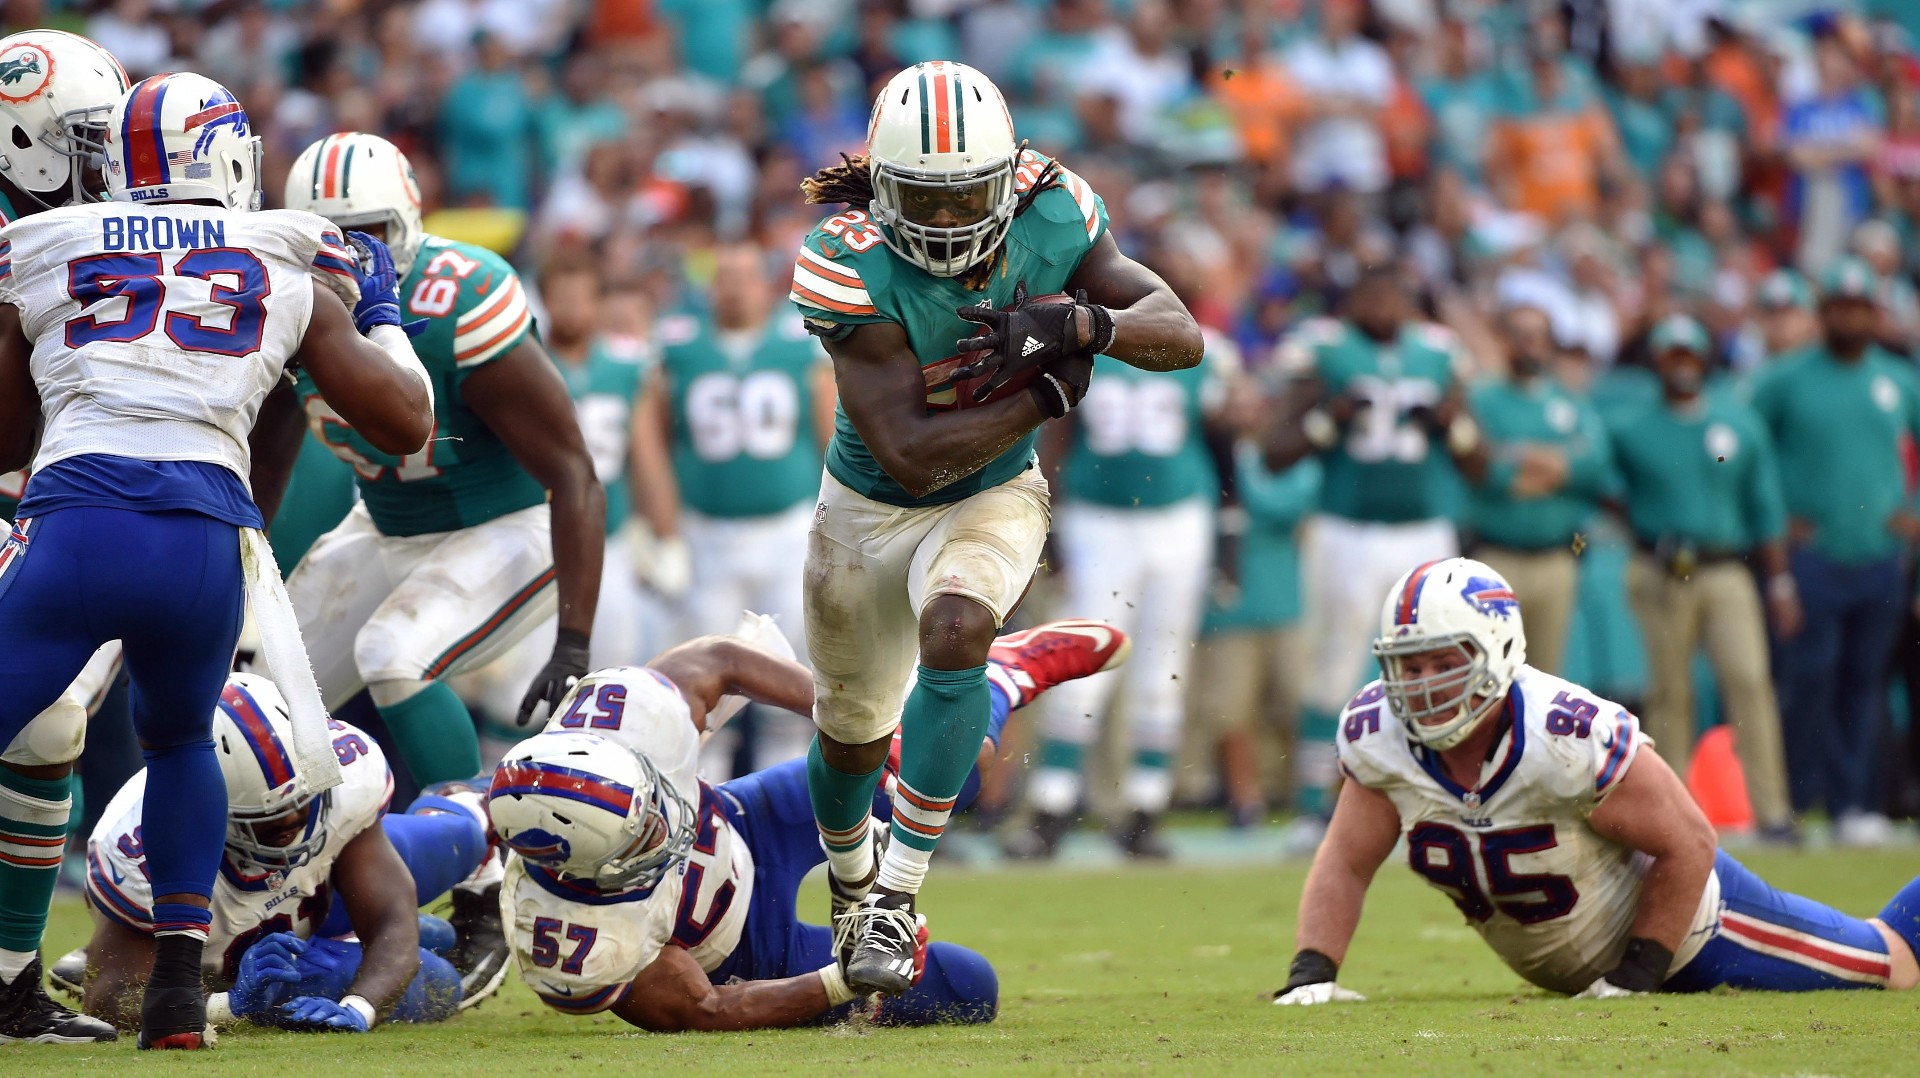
pixel 1059 651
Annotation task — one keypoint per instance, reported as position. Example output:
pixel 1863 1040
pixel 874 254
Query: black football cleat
pixel 480 954
pixel 891 944
pixel 28 1016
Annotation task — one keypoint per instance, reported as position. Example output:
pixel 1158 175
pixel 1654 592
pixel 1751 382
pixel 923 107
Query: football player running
pixel 637 888
pixel 298 870
pixel 54 116
pixel 932 514
pixel 1538 809
pixel 453 553
pixel 146 332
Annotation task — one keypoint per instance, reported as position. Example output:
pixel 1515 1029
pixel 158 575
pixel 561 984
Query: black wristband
pixel 1643 968
pixel 572 642
pixel 1310 967
pixel 1100 338
pixel 1050 396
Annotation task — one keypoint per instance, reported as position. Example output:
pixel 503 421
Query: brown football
pixel 944 394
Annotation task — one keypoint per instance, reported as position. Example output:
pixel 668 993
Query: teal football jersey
pixel 476 312
pixel 846 276
pixel 1139 437
pixel 603 391
pixel 1386 469
pixel 743 437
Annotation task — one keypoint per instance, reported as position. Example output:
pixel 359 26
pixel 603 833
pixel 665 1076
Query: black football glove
pixel 1018 337
pixel 562 672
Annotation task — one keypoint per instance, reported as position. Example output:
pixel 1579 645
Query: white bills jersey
pixel 1552 897
pixel 158 329
pixel 249 901
pixel 578 947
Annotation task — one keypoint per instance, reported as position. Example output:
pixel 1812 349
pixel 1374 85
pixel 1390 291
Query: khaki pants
pixel 1718 607
pixel 1244 680
pixel 1545 581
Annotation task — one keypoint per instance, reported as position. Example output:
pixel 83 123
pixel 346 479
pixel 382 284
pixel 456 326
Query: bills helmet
pixel 1457 604
pixel 941 151
pixel 253 738
pixel 356 180
pixel 56 90
pixel 179 138
pixel 589 810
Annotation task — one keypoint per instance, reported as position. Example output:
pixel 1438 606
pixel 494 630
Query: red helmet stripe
pixel 1410 595
pixel 942 113
pixel 332 173
pixel 272 756
pixel 140 133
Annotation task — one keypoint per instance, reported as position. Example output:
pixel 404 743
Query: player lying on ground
pixel 635 887
pixel 1538 808
pixel 146 331
pixel 298 872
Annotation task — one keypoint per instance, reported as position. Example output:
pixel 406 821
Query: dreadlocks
pixel 850 182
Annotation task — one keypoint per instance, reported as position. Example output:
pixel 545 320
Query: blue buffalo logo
pixel 540 847
pixel 1491 596
pixel 12 71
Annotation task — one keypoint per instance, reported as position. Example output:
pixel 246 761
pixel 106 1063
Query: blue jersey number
pixel 238 282
pixel 547 932
pixel 1444 855
pixel 609 705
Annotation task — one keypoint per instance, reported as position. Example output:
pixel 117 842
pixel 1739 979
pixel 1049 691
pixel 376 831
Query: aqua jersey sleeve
pixel 828 287
pixel 492 316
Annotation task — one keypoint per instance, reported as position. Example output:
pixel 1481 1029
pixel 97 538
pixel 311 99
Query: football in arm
pixel 946 394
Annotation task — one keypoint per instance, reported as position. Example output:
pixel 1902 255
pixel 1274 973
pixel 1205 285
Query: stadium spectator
pixel 1347 81
pixel 1549 466
pixel 1830 138
pixel 1701 492
pixel 1838 412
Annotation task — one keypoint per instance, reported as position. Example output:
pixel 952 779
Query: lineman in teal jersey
pixel 449 557
pixel 1377 397
pixel 728 445
pixel 1548 465
pixel 931 514
pixel 59 91
pixel 1135 533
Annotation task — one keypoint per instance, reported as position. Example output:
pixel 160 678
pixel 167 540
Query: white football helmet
pixel 940 148
pixel 355 180
pixel 181 137
pixel 588 809
pixel 56 90
pixel 253 737
pixel 1460 604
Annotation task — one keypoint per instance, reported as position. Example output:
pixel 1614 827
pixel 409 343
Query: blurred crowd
pixel 1620 213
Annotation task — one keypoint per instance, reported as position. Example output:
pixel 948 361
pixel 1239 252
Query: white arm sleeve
pixel 394 342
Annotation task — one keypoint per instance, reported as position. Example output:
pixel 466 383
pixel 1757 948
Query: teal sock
pixel 33 839
pixel 842 810
pixel 1315 764
pixel 945 721
pixel 434 734
pixel 77 816
pixel 1065 755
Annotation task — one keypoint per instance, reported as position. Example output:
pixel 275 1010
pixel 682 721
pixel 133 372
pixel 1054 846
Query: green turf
pixel 1169 971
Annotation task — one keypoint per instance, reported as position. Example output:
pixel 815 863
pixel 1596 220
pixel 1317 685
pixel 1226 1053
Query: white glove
pixel 1308 995
pixel 662 566
pixel 1605 989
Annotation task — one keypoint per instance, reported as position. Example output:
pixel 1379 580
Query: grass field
pixel 1170 971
